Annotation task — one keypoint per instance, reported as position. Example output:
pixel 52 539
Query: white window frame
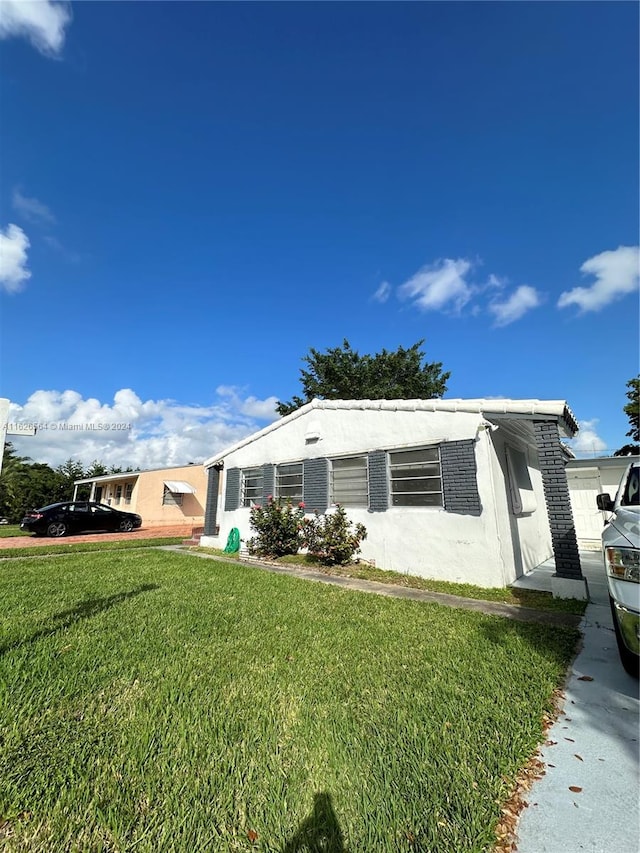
pixel 251 475
pixel 411 471
pixel 128 492
pixel 298 496
pixel 353 484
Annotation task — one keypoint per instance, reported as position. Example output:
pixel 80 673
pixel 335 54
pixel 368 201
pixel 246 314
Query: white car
pixel 621 552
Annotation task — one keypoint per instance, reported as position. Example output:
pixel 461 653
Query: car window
pixel 101 510
pixel 75 508
pixel 631 496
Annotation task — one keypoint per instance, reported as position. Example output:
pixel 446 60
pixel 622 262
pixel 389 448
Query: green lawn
pixel 154 701
pixel 7 530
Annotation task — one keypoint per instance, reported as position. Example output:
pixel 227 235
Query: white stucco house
pixel 459 490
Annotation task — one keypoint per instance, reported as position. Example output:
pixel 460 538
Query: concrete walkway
pixel 593 746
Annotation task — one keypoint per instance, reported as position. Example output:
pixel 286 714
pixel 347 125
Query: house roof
pixel 557 410
pixel 128 475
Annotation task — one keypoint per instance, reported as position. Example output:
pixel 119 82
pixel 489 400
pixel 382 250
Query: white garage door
pixel 589 520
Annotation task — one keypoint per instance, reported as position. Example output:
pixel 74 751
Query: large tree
pixel 632 411
pixel 342 374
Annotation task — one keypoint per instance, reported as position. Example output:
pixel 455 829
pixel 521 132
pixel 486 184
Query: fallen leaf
pixel 585 678
pixel 252 835
pixel 579 757
pixel 551 765
pixel 575 789
pixel 570 739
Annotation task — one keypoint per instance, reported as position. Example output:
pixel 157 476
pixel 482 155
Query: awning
pixel 179 487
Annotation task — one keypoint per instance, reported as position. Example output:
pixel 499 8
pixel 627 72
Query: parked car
pixel 621 552
pixel 78 517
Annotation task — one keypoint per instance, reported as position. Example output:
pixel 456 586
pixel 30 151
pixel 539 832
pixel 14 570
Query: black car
pixel 78 517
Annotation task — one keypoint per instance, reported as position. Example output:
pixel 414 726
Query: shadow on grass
pixel 320 832
pixel 82 610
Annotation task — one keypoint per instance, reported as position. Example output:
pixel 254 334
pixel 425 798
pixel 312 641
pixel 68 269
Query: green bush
pixel 278 527
pixel 330 537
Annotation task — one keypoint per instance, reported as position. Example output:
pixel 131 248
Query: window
pixel 523 498
pixel 128 491
pixel 289 482
pixel 415 477
pixel 349 483
pixel 251 486
pixel 170 498
pixel 118 496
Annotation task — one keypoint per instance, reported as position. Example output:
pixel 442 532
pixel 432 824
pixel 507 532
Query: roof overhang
pixel 534 410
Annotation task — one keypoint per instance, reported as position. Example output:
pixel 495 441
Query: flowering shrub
pixel 330 538
pixel 278 528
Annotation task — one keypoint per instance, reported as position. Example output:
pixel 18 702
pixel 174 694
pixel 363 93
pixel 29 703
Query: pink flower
pixel 301 504
pixel 269 497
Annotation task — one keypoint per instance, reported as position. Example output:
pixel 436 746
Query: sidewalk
pixel 593 746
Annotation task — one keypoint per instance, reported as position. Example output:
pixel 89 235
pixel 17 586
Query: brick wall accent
pixel 556 495
pixel 459 477
pixel 211 504
pixel 232 493
pixel 315 484
pixel 378 481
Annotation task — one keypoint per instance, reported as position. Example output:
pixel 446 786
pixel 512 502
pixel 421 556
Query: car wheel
pixel 126 525
pixel 56 528
pixel 630 662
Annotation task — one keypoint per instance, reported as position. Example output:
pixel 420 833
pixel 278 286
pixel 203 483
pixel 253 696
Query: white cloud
pixel 130 431
pixel 32 209
pixel 13 259
pixel 43 22
pixel 523 299
pixel 616 273
pixel 588 442
pixel 439 286
pixel 382 293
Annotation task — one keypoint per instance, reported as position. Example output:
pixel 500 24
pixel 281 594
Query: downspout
pixel 491 452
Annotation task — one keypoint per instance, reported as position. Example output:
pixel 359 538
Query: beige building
pixel 166 496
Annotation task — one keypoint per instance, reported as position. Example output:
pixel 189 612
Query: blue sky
pixel 194 194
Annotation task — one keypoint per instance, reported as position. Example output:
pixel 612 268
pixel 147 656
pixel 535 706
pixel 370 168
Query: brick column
pixel 211 506
pixel 556 494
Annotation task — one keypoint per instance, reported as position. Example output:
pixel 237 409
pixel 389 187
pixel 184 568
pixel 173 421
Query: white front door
pixel 589 520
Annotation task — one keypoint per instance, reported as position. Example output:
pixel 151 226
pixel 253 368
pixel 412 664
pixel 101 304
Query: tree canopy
pixel 342 373
pixel 632 411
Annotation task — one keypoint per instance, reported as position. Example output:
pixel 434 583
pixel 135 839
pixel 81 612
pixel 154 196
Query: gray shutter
pixel 211 505
pixel 268 483
pixel 459 477
pixel 378 481
pixel 232 494
pixel 315 484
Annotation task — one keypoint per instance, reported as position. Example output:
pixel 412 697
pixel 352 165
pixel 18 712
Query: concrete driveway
pixel 592 747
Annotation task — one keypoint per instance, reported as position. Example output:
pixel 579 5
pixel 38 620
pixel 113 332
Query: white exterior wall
pixel 524 540
pixel 421 541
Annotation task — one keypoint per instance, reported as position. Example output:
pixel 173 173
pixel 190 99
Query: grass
pixel 534 599
pixel 84 547
pixel 7 530
pixel 157 702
